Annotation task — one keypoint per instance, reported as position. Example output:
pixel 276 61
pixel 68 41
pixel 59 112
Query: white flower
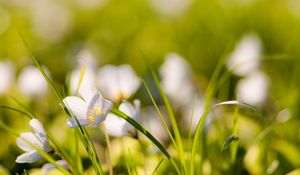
pixel 51 20
pixel 116 126
pixel 245 57
pixel 176 77
pixel 31 82
pixel 46 168
pixel 253 89
pixel 28 141
pixel 7 73
pixel 89 110
pixel 87 69
pixel 117 82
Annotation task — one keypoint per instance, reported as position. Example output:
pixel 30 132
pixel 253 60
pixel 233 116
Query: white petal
pixel 88 80
pixel 104 105
pixel 29 157
pixel 100 102
pixel 72 123
pixel 28 138
pixel 76 106
pixel 245 58
pixel 129 81
pixel 137 106
pixel 115 126
pixel 24 145
pixel 129 109
pixel 253 89
pixel 36 125
pixel 88 93
pixel 108 81
pixel 46 168
pixel 38 128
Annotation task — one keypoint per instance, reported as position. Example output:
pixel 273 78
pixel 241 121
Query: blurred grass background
pixel 118 32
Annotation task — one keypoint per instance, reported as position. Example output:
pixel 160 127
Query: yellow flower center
pixel 96 111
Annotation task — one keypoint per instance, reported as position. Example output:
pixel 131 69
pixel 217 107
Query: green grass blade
pixel 157 166
pixel 139 127
pixel 172 119
pixel 17 110
pixel 48 158
pixel 228 141
pixel 209 94
pixel 160 114
pixel 38 65
pixel 77 155
pixel 83 134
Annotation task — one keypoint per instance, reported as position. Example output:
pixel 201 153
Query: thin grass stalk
pixel 139 127
pixel 172 120
pixel 160 114
pixel 108 150
pixel 157 166
pixel 76 154
pixel 84 135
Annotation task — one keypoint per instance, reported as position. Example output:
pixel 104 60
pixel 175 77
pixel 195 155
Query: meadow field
pixel 188 87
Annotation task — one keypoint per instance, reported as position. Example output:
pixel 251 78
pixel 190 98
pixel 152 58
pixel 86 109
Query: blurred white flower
pixel 7 73
pixel 253 89
pixel 46 168
pixel 245 57
pixel 176 79
pixel 117 82
pixel 170 8
pixel 89 110
pixel 29 141
pixel 151 121
pixel 31 82
pixel 51 20
pixel 118 127
pixel 86 68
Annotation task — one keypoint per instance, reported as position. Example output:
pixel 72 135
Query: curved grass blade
pixel 228 141
pixel 17 110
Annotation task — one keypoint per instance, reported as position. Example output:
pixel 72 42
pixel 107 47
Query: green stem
pixel 139 127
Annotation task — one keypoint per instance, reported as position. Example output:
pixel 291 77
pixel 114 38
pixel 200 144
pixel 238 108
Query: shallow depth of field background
pixel 139 31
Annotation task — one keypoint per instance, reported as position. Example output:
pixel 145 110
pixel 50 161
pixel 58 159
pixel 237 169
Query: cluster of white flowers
pixel 176 79
pixel 98 90
pixel 30 81
pixel 244 61
pixel 88 108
